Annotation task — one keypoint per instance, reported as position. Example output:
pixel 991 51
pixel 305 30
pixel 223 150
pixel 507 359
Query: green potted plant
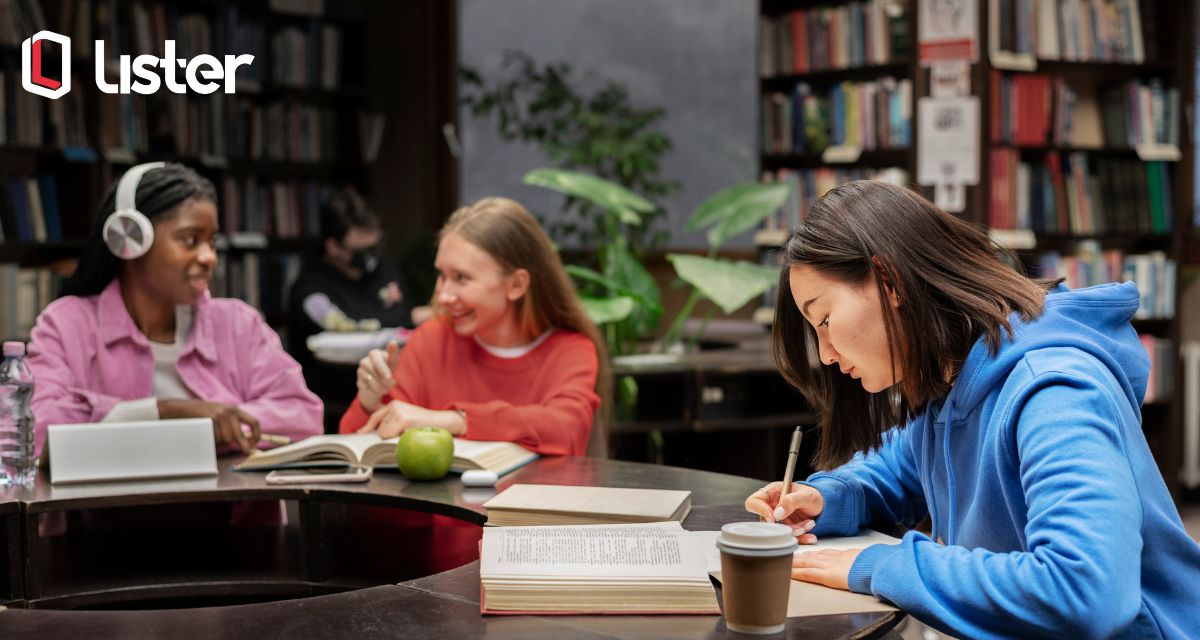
pixel 622 287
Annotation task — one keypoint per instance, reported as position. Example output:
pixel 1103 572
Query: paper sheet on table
pixel 808 599
pixel 348 347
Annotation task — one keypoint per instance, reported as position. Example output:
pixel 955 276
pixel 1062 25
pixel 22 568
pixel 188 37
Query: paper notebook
pixel 369 449
pixel 806 598
pixel 541 504
pixel 625 569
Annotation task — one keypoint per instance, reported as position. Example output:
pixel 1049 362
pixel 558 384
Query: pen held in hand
pixel 790 469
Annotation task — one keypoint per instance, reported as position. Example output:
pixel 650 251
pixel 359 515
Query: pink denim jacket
pixel 87 355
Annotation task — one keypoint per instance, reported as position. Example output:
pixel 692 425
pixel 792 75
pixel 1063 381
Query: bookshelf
pixel 1086 164
pixel 1102 138
pixel 297 126
pixel 837 87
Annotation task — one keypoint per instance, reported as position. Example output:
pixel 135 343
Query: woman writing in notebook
pixel 136 335
pixel 511 354
pixel 1018 404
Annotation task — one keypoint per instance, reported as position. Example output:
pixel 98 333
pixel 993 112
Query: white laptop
pixel 105 451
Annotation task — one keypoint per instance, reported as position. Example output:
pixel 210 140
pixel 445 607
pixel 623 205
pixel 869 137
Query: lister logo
pixel 33 77
pixel 201 74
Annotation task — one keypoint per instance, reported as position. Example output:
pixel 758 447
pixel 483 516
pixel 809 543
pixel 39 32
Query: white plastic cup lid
pixel 760 536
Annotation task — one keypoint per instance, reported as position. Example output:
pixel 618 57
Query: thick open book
pixel 543 504
pixel 369 449
pixel 633 569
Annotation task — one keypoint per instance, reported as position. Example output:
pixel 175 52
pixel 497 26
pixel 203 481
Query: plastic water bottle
pixel 18 464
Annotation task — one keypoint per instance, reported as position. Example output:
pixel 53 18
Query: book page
pixel 592 551
pixel 468 449
pixel 347 448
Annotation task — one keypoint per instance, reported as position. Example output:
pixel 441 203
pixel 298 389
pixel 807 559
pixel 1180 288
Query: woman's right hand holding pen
pixel 374 377
pixel 796 509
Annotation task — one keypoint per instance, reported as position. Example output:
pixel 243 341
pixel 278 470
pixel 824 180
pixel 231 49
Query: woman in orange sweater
pixel 511 354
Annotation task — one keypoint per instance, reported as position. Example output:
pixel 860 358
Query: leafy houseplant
pixel 623 298
pixel 614 295
pixel 599 132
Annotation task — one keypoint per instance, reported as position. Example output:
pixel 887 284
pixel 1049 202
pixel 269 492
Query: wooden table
pixel 314 558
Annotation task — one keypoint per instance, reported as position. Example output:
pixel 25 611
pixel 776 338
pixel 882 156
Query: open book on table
pixel 630 569
pixel 371 450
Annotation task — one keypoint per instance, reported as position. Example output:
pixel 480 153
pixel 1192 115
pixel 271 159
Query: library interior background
pixel 1066 131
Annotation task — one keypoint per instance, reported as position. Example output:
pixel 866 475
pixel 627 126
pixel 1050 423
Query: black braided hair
pixel 159 192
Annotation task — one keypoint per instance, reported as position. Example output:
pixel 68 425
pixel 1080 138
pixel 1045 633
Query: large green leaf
pixel 622 267
pixel 605 310
pixel 728 284
pixel 588 275
pixel 607 195
pixel 737 209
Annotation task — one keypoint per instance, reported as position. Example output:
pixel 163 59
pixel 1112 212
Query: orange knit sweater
pixel 544 400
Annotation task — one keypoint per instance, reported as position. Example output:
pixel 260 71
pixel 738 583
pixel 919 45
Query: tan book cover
pixel 539 504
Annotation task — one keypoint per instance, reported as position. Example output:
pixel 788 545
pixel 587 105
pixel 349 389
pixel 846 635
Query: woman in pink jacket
pixel 137 336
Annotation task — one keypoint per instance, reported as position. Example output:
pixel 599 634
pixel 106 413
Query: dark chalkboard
pixel 695 58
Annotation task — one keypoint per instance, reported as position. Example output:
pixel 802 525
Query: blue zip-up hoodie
pixel 1038 480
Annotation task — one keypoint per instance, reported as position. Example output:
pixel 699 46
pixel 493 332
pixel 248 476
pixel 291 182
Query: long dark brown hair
pixel 953 288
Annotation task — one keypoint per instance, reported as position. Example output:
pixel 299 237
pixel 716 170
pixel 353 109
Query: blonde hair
pixel 512 236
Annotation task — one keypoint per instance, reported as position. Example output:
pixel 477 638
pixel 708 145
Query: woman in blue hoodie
pixel 1020 431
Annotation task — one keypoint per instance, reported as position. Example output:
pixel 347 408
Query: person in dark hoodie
pixel 1019 431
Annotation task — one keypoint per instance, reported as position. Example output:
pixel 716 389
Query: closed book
pixel 49 191
pixel 539 504
pixel 18 199
pixel 371 450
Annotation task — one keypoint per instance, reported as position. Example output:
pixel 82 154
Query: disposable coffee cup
pixel 756 567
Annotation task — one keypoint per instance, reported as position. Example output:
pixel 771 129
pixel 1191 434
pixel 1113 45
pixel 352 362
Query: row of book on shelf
pixel 853 34
pixel 1075 30
pixel 1075 194
pixel 261 279
pixel 1035 110
pixel 1153 272
pixel 308 56
pixel 1161 383
pixel 806 186
pixel 29 210
pixel 279 209
pixel 24 292
pixel 866 115
pixel 218 126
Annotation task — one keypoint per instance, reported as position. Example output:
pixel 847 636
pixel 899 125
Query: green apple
pixel 425 453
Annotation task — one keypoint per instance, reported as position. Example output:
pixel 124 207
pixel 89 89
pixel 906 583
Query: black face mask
pixel 366 260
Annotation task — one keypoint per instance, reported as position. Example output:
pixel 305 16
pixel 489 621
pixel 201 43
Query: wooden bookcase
pixel 1168 41
pixel 289 134
pixel 1168 59
pixel 820 52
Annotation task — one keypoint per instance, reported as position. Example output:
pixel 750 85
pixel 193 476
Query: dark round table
pixel 123 560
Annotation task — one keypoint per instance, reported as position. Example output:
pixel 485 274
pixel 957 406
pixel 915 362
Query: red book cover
pixel 800 41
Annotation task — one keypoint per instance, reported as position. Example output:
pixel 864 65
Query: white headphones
pixel 127 231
